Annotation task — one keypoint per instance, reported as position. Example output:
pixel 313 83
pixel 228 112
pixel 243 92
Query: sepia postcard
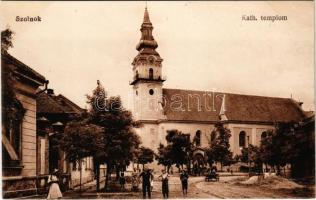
pixel 155 99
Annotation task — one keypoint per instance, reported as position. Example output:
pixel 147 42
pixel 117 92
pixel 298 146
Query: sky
pixel 205 46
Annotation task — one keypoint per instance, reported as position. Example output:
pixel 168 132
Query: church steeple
pixel 146 16
pixel 147 59
pixel 147 40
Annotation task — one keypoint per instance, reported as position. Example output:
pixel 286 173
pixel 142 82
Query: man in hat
pixel 147 176
pixel 184 182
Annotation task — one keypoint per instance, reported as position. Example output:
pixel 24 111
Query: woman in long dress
pixel 54 190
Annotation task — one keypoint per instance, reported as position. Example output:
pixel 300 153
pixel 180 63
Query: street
pixel 198 188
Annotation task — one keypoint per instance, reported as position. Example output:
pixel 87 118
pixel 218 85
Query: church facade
pixel 196 112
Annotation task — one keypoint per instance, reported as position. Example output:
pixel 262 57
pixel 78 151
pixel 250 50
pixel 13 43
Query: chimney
pixel 50 91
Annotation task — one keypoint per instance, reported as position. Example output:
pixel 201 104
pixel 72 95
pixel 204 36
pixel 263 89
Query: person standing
pixel 122 181
pixel 184 182
pixel 165 186
pixel 135 181
pixel 147 176
pixel 54 190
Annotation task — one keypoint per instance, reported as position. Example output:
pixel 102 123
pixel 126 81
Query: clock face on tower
pixel 151 59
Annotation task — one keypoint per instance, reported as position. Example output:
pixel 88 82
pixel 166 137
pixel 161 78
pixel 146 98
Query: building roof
pixel 190 105
pixel 23 68
pixel 51 104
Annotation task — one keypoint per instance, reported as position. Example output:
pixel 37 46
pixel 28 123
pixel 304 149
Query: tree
pixel 6 40
pixel 119 139
pixel 180 147
pixel 284 144
pixel 266 149
pixel 303 164
pixel 144 156
pixel 80 140
pixel 164 156
pixel 219 150
pixel 12 109
pixel 278 148
pixel 252 154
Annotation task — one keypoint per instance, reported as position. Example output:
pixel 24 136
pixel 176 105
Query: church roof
pixel 205 106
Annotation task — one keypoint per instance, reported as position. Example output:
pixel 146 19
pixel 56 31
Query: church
pixel 195 113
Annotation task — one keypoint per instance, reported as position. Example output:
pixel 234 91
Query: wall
pixel 25 183
pixel 254 132
pixel 87 172
pixel 146 106
pixel 28 144
pixel 151 140
pixel 42 156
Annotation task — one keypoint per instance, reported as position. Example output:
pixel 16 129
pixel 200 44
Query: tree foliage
pixel 177 150
pixel 144 155
pixel 81 139
pixel 6 40
pixel 164 156
pixel 120 140
pixel 282 145
pixel 12 109
pixel 180 146
pixel 219 150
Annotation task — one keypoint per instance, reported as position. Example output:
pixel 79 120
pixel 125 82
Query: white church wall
pixel 254 132
pixel 143 71
pixel 149 135
pixel 146 106
pixel 189 128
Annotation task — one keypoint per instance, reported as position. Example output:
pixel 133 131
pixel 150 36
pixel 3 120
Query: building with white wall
pixel 196 112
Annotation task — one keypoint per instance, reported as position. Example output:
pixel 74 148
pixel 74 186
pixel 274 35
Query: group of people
pixel 147 182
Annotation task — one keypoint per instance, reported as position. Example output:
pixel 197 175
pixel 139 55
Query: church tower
pixel 147 76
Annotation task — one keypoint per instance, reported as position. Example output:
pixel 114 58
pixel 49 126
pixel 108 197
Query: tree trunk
pixel 107 178
pixel 80 164
pixel 278 170
pixel 98 177
pixel 117 172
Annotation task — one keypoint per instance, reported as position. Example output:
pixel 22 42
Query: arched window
pixel 198 138
pixel 151 91
pixel 213 136
pixel 242 139
pixel 263 135
pixel 151 73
